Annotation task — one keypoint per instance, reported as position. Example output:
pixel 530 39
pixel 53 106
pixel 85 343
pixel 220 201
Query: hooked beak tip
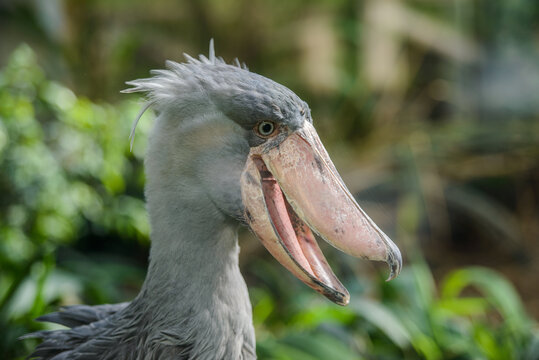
pixel 344 301
pixel 394 260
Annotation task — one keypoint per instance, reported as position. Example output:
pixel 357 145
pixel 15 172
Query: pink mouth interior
pixel 295 235
pixel 276 204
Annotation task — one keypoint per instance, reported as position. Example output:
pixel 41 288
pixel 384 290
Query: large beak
pixel 289 189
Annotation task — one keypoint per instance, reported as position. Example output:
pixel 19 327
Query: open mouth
pixel 297 239
pixel 293 189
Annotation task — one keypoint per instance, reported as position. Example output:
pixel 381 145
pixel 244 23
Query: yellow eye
pixel 265 128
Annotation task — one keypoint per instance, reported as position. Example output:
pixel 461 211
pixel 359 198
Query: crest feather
pixel 178 78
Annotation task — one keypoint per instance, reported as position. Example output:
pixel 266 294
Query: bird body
pixel 211 165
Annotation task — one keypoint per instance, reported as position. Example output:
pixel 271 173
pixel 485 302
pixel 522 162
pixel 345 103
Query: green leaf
pixel 498 291
pixel 463 306
pixel 383 319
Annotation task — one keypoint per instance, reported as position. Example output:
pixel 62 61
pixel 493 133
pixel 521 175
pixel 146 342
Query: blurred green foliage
pixel 66 170
pixel 410 319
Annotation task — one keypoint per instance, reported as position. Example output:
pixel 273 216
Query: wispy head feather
pixel 205 82
pixel 162 87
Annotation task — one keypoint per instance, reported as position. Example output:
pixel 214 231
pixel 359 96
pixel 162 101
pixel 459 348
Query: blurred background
pixel 429 109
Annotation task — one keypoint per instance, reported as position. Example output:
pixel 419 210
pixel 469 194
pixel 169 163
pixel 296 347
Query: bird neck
pixel 194 291
pixel 193 258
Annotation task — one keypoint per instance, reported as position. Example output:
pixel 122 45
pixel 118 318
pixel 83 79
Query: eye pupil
pixel 266 128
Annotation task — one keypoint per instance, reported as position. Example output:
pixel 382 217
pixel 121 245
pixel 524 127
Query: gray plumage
pixel 194 302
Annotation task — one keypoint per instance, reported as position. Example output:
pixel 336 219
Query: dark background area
pixel 429 110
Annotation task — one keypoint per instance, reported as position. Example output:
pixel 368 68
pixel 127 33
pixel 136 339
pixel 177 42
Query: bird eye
pixel 265 128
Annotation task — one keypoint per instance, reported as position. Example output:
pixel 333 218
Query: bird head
pixel 249 145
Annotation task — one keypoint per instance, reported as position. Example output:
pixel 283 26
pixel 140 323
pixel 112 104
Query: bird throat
pixel 194 280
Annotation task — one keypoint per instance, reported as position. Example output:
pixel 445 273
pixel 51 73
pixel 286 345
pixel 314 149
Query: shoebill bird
pixel 228 147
